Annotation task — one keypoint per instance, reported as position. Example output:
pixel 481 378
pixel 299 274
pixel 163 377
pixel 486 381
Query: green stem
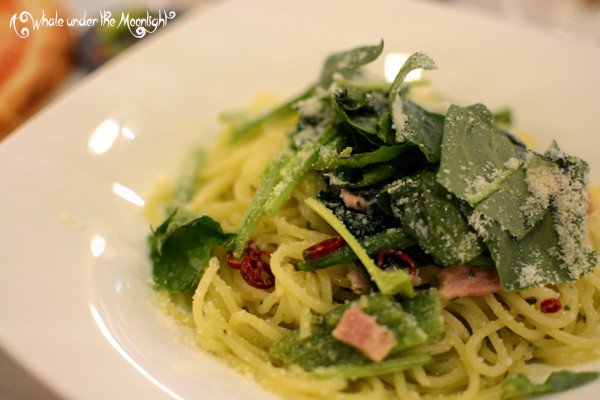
pixel 280 111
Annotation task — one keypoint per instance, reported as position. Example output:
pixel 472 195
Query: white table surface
pixel 574 18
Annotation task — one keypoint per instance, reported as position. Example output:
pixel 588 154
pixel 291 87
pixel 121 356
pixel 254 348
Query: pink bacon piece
pixel 361 331
pixel 464 281
pixel 355 202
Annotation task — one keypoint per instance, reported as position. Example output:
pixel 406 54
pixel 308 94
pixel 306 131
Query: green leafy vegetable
pixel 429 214
pixel 475 158
pixel 321 349
pixel 415 61
pixel 348 61
pixel 424 129
pixel 519 386
pixel 292 172
pixel 426 308
pixel 380 155
pixel 529 262
pixel 252 215
pixel 180 248
pixel 365 112
pixel 395 101
pixel 554 250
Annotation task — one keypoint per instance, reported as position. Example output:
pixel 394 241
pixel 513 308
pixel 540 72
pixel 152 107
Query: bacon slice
pixel 464 281
pixel 355 202
pixel 361 331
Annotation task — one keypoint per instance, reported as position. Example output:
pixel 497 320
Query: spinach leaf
pixel 559 181
pixel 364 112
pixel 426 308
pixel 475 157
pixel 380 155
pixel 424 129
pixel 519 386
pixel 348 61
pixel 372 175
pixel 395 101
pixel 529 262
pixel 321 349
pixel 513 206
pixel 180 248
pixel 415 61
pixel 498 188
pixel 433 218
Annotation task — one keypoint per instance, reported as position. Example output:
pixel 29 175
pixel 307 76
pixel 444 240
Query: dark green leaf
pixel 512 205
pixel 321 349
pixel 348 61
pixel 423 129
pixel 362 111
pixel 382 154
pixel 415 61
pixel 395 101
pixel 433 218
pixel 529 262
pixel 426 308
pixel 476 156
pixel 180 248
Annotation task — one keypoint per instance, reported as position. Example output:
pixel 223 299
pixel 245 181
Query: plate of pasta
pixel 242 208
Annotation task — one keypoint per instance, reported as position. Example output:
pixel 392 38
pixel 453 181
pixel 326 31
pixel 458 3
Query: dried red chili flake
pixel 253 267
pixel 233 263
pixel 323 248
pixel 412 267
pixel 550 305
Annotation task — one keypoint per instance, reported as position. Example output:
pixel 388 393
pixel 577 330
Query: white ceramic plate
pixel 75 280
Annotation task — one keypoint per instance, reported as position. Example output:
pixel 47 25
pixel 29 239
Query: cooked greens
pixel 180 248
pixel 411 324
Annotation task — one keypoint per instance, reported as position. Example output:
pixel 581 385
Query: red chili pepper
pixel 323 248
pixel 253 268
pixel 550 305
pixel 412 267
pixel 233 263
